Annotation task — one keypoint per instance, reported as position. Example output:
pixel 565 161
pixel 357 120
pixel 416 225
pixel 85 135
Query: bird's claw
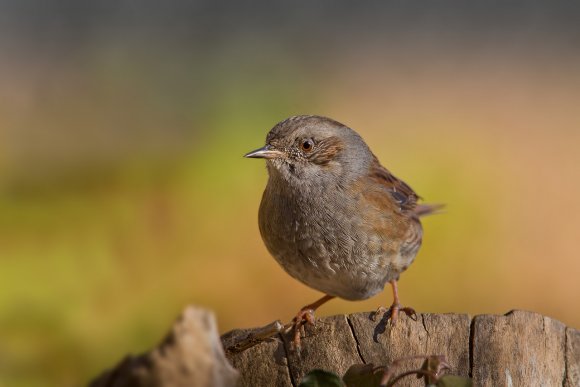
pixel 305 316
pixel 392 313
pixel 410 312
pixel 380 310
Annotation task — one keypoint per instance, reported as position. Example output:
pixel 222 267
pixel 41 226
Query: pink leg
pixel 306 316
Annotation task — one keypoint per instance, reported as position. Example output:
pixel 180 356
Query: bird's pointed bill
pixel 266 152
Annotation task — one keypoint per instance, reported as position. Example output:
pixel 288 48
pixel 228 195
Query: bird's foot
pixel 393 313
pixel 305 316
pixel 380 310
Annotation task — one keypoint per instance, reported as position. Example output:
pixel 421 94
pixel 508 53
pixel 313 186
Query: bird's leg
pixel 306 316
pixel 393 311
pixel 396 306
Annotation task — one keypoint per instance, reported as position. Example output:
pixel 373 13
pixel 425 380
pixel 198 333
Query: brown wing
pixel 403 195
pixel 387 206
pixel 393 215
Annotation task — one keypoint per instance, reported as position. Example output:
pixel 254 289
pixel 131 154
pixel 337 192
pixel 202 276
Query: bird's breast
pixel 323 242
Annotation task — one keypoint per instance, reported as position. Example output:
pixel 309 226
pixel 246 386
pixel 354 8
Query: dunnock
pixel 333 217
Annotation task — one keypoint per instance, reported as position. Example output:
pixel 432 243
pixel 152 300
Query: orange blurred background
pixel 124 195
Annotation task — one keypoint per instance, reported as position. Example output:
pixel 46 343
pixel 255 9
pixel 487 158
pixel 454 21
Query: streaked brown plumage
pixel 332 216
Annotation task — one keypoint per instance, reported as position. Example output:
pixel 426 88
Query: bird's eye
pixel 307 145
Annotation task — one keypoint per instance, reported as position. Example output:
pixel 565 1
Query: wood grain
pixel 516 349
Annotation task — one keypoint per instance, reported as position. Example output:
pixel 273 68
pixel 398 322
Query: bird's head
pixel 313 148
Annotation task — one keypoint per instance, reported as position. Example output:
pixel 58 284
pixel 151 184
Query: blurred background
pixel 124 195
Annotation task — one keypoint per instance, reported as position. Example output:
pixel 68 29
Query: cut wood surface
pixel 516 349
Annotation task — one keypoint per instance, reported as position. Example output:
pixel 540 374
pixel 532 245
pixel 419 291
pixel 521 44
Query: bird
pixel 333 217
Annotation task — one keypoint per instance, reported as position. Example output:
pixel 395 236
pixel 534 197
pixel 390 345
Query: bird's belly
pixel 331 252
pixel 352 274
pixel 347 284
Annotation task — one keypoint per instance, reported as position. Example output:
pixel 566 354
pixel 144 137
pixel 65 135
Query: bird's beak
pixel 266 152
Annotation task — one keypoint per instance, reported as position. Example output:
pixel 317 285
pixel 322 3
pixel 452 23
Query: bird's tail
pixel 428 209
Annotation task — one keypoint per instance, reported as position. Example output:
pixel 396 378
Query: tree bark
pixel 190 355
pixel 516 349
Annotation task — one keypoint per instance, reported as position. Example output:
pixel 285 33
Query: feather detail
pixel 400 192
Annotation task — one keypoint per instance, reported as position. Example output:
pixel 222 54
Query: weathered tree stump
pixel 190 355
pixel 516 349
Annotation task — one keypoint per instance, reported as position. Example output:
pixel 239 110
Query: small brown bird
pixel 333 217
